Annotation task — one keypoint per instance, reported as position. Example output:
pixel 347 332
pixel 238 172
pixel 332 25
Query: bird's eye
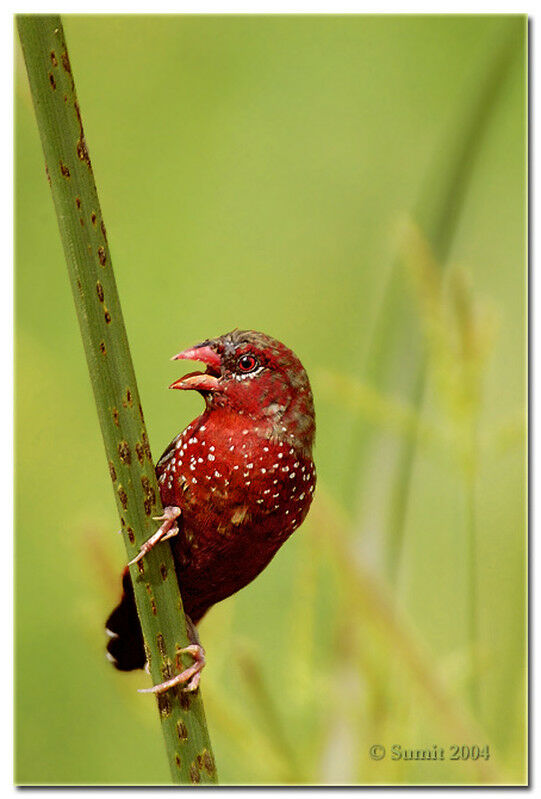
pixel 247 363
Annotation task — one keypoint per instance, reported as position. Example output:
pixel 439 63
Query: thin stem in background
pixel 397 353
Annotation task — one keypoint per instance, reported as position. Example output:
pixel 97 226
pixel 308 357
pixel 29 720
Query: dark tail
pixel 125 647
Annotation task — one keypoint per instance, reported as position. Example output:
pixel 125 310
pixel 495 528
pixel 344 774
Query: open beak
pixel 200 381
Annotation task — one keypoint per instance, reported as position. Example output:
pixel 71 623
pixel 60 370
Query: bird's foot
pixel 189 678
pixel 168 529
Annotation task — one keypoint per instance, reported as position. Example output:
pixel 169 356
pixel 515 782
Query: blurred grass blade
pixel 111 371
pixel 396 364
pixel 263 703
pixel 370 600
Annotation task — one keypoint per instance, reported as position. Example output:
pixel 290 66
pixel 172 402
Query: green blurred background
pixel 355 186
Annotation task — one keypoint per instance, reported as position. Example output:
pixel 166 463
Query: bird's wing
pixel 167 455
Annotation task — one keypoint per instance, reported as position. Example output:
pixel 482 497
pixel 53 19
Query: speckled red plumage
pixel 242 473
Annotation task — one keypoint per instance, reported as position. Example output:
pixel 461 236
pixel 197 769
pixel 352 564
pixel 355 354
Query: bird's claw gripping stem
pixel 168 529
pixel 189 677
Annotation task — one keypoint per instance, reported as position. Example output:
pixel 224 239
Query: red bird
pixel 234 484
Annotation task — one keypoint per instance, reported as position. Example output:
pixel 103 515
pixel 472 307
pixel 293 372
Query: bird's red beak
pixel 200 381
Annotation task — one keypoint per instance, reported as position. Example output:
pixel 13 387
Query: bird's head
pixel 252 374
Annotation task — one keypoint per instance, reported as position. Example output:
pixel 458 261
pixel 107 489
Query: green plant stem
pixel 112 376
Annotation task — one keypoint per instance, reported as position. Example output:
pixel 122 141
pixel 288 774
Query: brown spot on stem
pixel 52 81
pixel 183 698
pixel 195 776
pixel 131 536
pixel 93 218
pixel 141 414
pixel 129 398
pixel 122 497
pixel 64 169
pixel 150 495
pixel 78 202
pixel 99 291
pixel 164 705
pixel 47 173
pixel 54 60
pixel 160 643
pixel 102 256
pixel 79 118
pixel 208 762
pixel 115 416
pixel 104 232
pixel 124 452
pixel 107 317
pixel 139 452
pixel 141 567
pixel 112 471
pixel 146 445
pixel 182 731
pixel 103 348
pixel 153 606
pixel 82 152
pixel 82 221
pixel 163 571
pixel 66 62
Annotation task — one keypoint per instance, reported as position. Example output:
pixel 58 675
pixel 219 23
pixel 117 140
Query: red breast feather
pixel 242 473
